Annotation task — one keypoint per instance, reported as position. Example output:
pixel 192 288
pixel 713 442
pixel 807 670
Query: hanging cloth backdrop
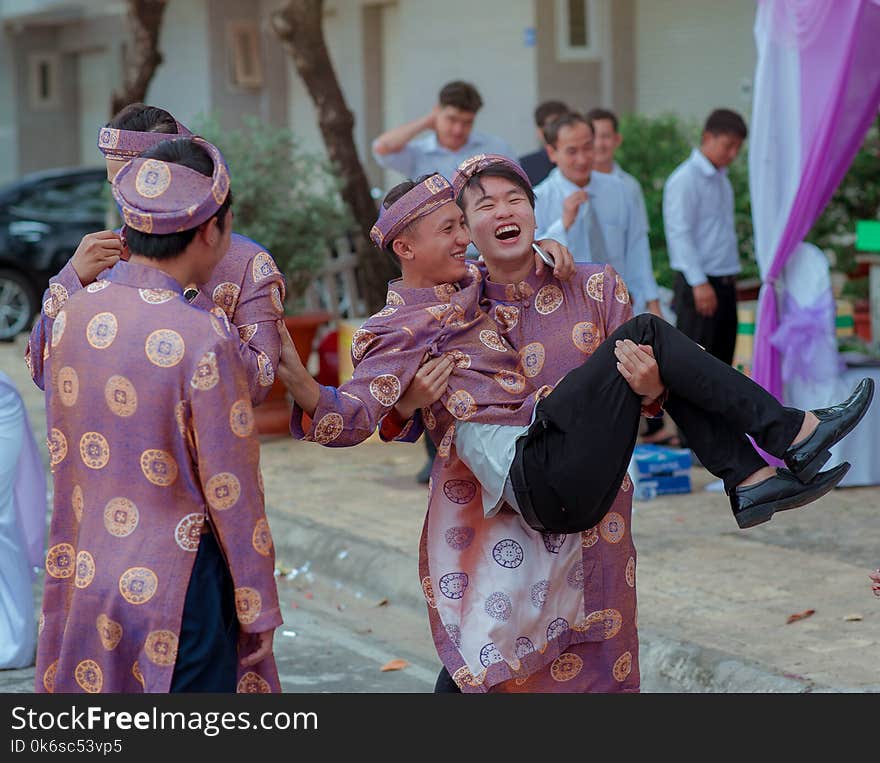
pixel 817 90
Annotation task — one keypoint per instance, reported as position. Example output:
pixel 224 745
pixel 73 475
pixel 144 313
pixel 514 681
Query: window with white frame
pixel 578 29
pixel 246 68
pixel 43 81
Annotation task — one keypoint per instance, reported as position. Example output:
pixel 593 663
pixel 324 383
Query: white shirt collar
pixel 473 142
pixel 704 165
pixel 570 187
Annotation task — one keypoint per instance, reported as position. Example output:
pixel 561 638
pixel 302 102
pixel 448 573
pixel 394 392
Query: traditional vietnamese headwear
pixel 161 197
pixel 127 144
pixel 471 166
pixel 421 200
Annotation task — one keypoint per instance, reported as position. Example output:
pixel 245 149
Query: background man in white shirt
pixel 701 236
pixel 537 164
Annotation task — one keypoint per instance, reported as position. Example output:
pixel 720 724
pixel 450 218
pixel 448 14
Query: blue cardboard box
pixel 659 470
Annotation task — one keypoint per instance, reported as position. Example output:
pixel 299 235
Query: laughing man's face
pixel 501 220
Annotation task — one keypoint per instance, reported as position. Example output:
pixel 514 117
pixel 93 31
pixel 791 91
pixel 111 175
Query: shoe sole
pixel 763 513
pixel 813 467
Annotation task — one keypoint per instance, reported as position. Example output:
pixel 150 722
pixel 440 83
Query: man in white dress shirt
pixel 701 236
pixel 590 212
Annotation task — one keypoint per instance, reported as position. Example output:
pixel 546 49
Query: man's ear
pixel 210 232
pixel 618 138
pixel 402 247
pixel 551 152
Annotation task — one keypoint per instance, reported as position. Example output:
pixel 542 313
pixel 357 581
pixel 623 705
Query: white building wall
pixel 693 57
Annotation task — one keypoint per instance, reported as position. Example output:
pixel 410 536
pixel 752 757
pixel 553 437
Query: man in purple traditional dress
pixel 246 286
pixel 160 562
pixel 490 394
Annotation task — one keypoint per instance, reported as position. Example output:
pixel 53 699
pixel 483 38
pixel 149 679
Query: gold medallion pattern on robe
pixel 68 386
pixel 152 179
pixel 631 572
pixel 461 404
pixel 565 667
pixel 621 293
pixel 444 291
pixel 253 683
pixel 622 667
pixel 220 326
pixel 159 467
pixel 445 445
pixel 121 396
pixel 101 330
pixel 138 585
pixel 76 501
pixel 266 375
pixel 94 450
pixel 55 301
pixel 156 296
pixel 506 316
pixel 161 648
pixel 225 296
pixel 85 569
pixel 612 527
pixel 207 374
pixel 511 381
pixel 627 484
pixel 328 428
pixel 589 538
pixel 223 491
pixel 360 340
pixel 275 298
pixel 136 672
pixel 57 445
pixel 89 676
pixel 586 337
pixel 57 329
pixel 428 591
pixel 109 631
pixel 262 538
pixel 188 532
pixel 532 358
pixel 595 286
pixel 461 359
pixel 548 299
pixel 438 311
pixel 393 298
pixel 41 623
pixel 248 604
pixel 97 286
pixel 60 561
pixel 121 517
pixel 49 677
pixel 428 418
pixel 241 418
pixel 246 333
pixel 165 348
pixel 492 340
pixel 386 389
pixel 263 267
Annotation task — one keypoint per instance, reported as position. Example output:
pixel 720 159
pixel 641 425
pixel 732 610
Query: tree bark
pixel 298 25
pixel 142 56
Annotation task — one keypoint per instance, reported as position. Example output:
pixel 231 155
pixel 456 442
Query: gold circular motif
pixel 274 298
pixel 222 491
pixel 207 374
pixel 386 389
pixel 121 517
pixel 85 569
pixel 548 299
pixel 57 444
pixel 241 418
pixel 41 623
pixel 136 672
pixel 328 428
pixel 532 358
pixel 621 293
pixel 428 591
pixel 444 291
pixel 55 301
pixel 630 573
pixel 89 676
pixel 595 287
pixel 506 316
pixel 121 396
pixel 136 220
pixel 461 359
pixel 612 621
pixel 261 539
pixel 360 340
pixel 463 677
pixel 248 605
pixel 622 667
pixel 474 272
pixel 94 450
pixel 445 444
pixel 94 288
pixel 612 527
pixel 59 561
pixel 428 418
pixel 138 585
pixel 109 631
pixel 393 298
pixel 266 370
pixel 156 296
pixel 263 267
pixel 565 667
pixel 461 405
pixel 152 179
pixel 101 330
pixel 385 312
pixel 586 337
pixel 188 533
pixel 589 538
pixel 627 484
pixel 68 386
pixel 161 648
pixel 438 311
pixel 180 417
pixel 159 467
pixel 49 677
pixel 246 333
pixel 511 381
pixel 219 325
pixel 492 340
pixel 165 348
pixel 253 683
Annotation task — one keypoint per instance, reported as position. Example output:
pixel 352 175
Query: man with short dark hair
pixel 701 236
pixel 450 141
pixel 537 164
pixel 160 568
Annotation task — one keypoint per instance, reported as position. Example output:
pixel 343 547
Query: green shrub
pixel 284 197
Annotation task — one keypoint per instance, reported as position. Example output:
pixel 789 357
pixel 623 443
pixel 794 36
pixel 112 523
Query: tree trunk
pixel 142 57
pixel 298 25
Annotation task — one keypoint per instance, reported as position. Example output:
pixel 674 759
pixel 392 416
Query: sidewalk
pixel 713 599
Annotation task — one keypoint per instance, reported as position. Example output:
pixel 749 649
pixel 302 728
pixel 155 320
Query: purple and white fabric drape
pixel 817 91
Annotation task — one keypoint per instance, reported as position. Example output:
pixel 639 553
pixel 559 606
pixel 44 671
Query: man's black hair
pixel 142 118
pixel 400 190
pixel 166 246
pixel 461 95
pixel 549 109
pixel 496 171
pixel 597 115
pixel 569 119
pixel 726 122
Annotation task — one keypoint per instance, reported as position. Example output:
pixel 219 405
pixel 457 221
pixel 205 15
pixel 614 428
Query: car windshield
pixel 79 199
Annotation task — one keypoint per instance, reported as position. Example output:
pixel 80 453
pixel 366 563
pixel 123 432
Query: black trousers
pixel 569 467
pixel 716 333
pixel 207 650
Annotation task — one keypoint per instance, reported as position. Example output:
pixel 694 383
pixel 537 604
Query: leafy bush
pixel 284 197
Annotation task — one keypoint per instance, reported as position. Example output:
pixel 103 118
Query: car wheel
pixel 17 304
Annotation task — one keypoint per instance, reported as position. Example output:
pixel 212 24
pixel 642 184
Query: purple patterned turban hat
pixel 421 200
pixel 161 197
pixel 127 144
pixel 470 167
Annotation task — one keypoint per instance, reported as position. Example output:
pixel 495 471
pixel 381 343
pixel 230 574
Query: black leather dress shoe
pixel 755 504
pixel 807 457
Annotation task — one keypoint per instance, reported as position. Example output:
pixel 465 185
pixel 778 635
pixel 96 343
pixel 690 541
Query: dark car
pixel 42 219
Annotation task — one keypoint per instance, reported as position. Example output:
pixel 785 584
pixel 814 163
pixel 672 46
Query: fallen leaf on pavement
pixel 853 618
pixel 382 603
pixel 394 665
pixel 800 616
